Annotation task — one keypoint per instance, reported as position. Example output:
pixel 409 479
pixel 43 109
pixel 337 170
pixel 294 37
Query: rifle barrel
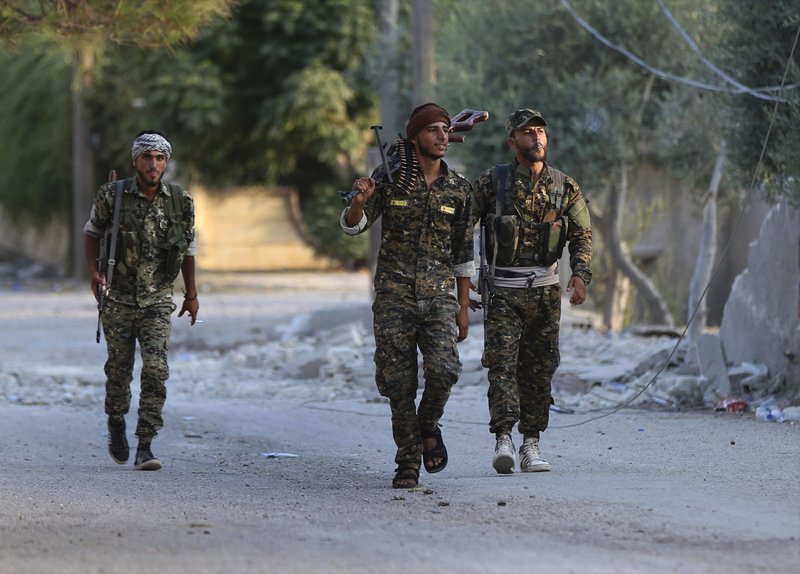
pixel 377 130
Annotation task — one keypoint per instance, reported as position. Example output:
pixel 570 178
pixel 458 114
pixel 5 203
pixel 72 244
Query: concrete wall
pixel 48 244
pixel 761 320
pixel 251 229
pixel 243 229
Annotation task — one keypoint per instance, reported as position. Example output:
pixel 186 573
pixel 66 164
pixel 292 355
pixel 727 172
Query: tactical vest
pixel 131 232
pixel 516 239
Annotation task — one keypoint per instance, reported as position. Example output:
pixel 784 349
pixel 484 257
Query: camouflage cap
pixel 522 118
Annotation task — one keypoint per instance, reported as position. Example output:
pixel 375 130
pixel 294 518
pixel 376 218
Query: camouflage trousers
pixel 521 353
pixel 123 326
pixel 401 325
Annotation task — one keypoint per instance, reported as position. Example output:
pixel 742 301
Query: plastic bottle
pixel 770 414
pixel 776 415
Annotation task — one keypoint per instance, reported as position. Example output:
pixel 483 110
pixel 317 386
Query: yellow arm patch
pixel 449 210
pixel 399 202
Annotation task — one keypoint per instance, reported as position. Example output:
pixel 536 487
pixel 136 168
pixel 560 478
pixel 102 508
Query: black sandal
pixel 406 477
pixel 439 451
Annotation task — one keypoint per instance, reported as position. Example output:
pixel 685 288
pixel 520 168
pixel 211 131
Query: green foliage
pixel 283 92
pixel 759 50
pixel 321 211
pixel 84 25
pixel 274 94
pixel 138 89
pixel 46 41
pixel 601 107
pixel 292 95
pixel 35 130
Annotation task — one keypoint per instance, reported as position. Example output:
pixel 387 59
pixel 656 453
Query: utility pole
pixel 82 163
pixel 388 88
pixel 387 93
pixel 424 78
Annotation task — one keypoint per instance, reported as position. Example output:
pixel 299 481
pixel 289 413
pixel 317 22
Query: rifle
pixel 399 156
pixel 108 249
pixel 485 283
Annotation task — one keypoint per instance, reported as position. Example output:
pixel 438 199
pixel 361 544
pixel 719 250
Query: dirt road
pixel 634 492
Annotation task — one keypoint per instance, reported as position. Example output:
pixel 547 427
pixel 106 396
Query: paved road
pixel 634 492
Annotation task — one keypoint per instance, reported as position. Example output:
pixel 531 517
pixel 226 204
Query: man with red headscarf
pixel 426 251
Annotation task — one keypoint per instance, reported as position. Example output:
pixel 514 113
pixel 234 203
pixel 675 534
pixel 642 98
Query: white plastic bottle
pixel 770 414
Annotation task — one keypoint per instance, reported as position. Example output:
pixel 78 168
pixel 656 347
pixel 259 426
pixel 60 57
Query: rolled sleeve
pixel 466 269
pixel 97 223
pixel 92 230
pixel 192 249
pixel 357 228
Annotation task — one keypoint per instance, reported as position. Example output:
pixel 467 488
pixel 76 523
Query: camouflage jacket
pixel 532 199
pixel 426 235
pixel 141 277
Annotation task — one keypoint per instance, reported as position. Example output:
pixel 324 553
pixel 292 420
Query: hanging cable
pixel 733 233
pixel 666 75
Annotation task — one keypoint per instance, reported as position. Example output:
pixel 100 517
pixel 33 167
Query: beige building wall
pixel 48 244
pixel 251 229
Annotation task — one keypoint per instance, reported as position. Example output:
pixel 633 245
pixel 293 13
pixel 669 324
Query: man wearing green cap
pixel 528 211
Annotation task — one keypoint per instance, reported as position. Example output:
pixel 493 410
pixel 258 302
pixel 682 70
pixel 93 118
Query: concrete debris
pixel 303 360
pixel 712 363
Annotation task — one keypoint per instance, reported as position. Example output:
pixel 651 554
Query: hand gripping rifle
pixel 108 251
pixel 398 160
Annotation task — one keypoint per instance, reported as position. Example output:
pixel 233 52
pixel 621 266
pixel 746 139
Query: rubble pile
pixel 328 355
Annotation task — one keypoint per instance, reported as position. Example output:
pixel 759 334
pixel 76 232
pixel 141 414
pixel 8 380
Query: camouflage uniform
pixel 426 241
pixel 521 346
pixel 139 304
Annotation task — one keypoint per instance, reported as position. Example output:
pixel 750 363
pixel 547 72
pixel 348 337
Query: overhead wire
pixel 667 75
pixel 696 49
pixel 614 409
pixel 748 196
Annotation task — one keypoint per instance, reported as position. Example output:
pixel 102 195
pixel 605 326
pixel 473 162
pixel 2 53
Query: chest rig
pixel 519 237
pixel 171 244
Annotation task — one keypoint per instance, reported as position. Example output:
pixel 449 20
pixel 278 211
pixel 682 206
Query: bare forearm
pixel 91 249
pixel 187 270
pixel 354 215
pixel 462 291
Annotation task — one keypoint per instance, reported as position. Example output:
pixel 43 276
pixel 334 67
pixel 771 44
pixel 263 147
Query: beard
pixel 534 154
pixel 148 177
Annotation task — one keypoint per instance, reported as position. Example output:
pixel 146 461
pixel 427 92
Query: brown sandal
pixel 406 477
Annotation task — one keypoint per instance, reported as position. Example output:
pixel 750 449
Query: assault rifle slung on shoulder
pixel 108 250
pixel 463 121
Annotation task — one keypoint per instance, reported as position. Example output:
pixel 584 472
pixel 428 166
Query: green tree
pixel 34 129
pixel 275 93
pixel 294 106
pixel 764 52
pixel 86 29
pixel 272 95
pixel 602 108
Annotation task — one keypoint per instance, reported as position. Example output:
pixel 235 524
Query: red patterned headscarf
pixel 423 116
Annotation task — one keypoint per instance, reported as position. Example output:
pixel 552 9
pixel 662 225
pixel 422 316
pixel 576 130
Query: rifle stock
pixel 464 121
